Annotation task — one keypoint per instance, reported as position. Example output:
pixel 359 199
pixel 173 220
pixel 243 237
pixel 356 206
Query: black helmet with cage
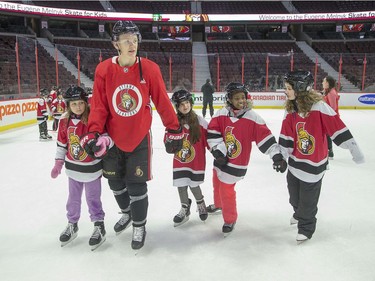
pixel 75 93
pixel 233 88
pixel 43 92
pixel 123 27
pixel 180 96
pixel 300 80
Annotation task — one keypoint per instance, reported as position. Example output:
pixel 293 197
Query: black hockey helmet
pixel 75 93
pixel 123 27
pixel 300 80
pixel 235 87
pixel 43 92
pixel 180 96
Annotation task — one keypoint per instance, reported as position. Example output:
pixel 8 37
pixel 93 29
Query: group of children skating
pixel 49 104
pixel 301 149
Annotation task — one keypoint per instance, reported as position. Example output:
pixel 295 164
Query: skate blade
pixel 74 236
pixel 299 242
pixel 181 223
pixel 94 247
pixel 215 213
pixel 227 234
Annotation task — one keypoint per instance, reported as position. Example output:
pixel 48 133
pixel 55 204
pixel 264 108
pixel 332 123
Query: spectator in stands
pixel 208 90
pixel 124 87
pixel 306 122
pixel 331 97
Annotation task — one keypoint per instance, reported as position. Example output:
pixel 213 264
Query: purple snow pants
pixel 93 192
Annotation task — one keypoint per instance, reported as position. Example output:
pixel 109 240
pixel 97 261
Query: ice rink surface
pixel 262 246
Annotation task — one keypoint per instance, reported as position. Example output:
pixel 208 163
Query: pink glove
pixel 56 170
pixel 102 143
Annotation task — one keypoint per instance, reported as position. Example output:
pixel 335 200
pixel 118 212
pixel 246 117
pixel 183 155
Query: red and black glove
pixel 220 158
pixel 279 164
pixel 173 140
pixel 88 143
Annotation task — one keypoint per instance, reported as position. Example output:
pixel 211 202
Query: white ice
pixel 262 247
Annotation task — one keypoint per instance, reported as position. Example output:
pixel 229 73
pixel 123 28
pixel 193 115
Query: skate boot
pixel 293 221
pixel 69 234
pixel 42 137
pixel 49 137
pixel 123 223
pixel 183 214
pixel 139 235
pixel 202 210
pixel 98 235
pixel 212 210
pixel 228 228
pixel 301 238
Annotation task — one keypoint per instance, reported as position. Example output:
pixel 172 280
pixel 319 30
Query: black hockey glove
pixel 88 143
pixel 173 140
pixel 279 164
pixel 220 158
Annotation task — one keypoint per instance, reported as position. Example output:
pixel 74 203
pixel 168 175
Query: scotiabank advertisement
pixel 17 113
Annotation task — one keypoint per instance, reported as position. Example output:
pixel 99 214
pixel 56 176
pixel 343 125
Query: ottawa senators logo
pixel 126 100
pixel 75 149
pixel 234 147
pixel 187 152
pixel 305 141
pixel 138 172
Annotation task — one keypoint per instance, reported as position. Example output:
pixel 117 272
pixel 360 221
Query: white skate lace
pixel 138 233
pixel 201 208
pixel 182 212
pixel 124 219
pixel 96 233
pixel 69 230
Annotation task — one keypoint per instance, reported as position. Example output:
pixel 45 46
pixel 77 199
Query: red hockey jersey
pixel 58 107
pixel 41 111
pixel 78 164
pixel 234 136
pixel 121 103
pixel 189 164
pixel 303 140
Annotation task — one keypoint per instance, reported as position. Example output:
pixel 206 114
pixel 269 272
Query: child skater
pixel 84 172
pixel 189 163
pixel 306 123
pixel 58 107
pixel 230 135
pixel 331 97
pixel 42 116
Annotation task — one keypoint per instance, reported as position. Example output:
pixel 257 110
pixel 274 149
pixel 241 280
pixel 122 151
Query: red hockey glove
pixel 279 164
pixel 173 140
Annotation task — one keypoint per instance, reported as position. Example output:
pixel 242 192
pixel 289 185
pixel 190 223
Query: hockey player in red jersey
pixel 58 107
pixel 303 140
pixel 230 135
pixel 124 87
pixel 189 163
pixel 84 171
pixel 42 116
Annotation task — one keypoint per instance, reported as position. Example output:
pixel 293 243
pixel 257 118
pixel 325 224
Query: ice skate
pixel 123 223
pixel 98 235
pixel 301 238
pixel 139 235
pixel 43 137
pixel 183 214
pixel 49 137
pixel 228 228
pixel 69 234
pixel 212 210
pixel 293 221
pixel 202 210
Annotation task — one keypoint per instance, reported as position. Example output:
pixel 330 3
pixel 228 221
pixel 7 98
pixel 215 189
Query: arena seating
pixel 243 7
